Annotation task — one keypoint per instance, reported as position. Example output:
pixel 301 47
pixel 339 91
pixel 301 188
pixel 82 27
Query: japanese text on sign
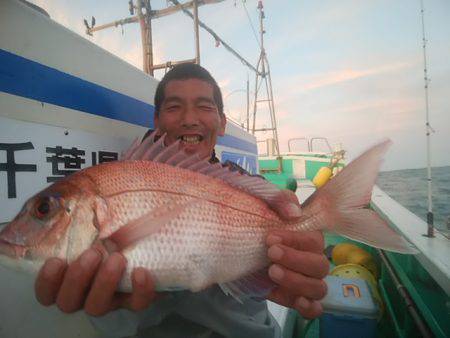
pixel 64 161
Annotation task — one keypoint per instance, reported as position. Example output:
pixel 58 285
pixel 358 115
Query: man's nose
pixel 190 117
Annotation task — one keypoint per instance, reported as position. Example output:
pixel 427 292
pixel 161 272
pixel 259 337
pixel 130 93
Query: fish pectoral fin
pixel 256 285
pixel 146 225
pixel 101 214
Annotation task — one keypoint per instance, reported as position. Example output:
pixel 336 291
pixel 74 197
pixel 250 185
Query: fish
pixel 191 223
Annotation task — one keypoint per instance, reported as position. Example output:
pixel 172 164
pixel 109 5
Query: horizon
pixel 350 71
pixel 420 168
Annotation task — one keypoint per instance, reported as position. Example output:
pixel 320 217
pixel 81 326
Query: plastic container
pixel 360 272
pixel 349 309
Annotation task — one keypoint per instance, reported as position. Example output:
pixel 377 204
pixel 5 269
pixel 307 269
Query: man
pixel 189 107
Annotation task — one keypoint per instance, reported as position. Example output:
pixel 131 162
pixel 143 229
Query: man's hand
pixel 299 267
pixel 299 264
pixel 91 283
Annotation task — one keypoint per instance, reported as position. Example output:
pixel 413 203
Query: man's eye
pixel 205 107
pixel 172 107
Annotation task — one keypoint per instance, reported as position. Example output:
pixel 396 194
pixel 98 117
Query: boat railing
pixel 315 139
pixel 310 144
pixel 291 140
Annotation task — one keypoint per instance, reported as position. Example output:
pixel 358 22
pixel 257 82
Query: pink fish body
pixel 216 234
pixel 192 225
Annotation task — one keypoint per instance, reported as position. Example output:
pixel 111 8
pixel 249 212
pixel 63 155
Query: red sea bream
pixel 191 223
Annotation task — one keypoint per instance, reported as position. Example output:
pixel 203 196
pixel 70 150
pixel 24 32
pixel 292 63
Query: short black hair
pixel 187 71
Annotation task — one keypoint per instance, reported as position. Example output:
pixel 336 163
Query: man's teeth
pixel 191 139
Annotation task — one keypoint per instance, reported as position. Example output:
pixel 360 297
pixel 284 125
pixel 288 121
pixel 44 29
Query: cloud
pixel 134 56
pixel 321 96
pixel 223 84
pixel 60 14
pixel 335 71
pixel 128 48
pixel 384 117
pixel 336 77
pixel 313 23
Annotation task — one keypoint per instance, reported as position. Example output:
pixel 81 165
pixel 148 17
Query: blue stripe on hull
pixel 236 142
pixel 23 77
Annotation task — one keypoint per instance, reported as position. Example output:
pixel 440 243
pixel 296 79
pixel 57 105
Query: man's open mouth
pixel 191 139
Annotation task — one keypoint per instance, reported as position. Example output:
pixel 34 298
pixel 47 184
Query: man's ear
pixel 223 124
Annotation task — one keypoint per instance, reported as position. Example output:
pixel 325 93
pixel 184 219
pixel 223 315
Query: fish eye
pixel 43 208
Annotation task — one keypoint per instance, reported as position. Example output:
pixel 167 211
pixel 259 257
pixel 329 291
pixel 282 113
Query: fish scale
pixel 195 253
pixel 228 227
pixel 150 176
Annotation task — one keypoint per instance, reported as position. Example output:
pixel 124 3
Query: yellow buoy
pixel 322 176
pixel 325 173
pixel 347 253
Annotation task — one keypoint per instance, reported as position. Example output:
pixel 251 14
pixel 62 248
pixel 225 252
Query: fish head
pixel 56 222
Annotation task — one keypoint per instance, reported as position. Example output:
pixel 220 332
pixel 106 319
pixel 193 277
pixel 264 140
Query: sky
pixel 348 70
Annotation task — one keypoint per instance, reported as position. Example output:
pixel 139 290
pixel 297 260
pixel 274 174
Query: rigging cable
pixel 210 31
pixel 251 23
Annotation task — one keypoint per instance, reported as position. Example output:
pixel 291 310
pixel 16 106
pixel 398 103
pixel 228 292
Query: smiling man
pixel 189 107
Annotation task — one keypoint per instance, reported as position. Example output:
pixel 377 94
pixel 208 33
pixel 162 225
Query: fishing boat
pixel 410 292
pixel 414 289
pixel 66 104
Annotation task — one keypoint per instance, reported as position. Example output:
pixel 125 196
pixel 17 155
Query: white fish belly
pixel 205 244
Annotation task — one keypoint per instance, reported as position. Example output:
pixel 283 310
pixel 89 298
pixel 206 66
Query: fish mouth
pixel 12 250
pixel 191 139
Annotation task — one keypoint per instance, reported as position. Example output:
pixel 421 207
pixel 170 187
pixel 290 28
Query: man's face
pixel 190 114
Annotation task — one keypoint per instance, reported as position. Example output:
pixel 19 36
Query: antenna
pixel 429 129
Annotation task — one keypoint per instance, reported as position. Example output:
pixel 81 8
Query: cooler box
pixel 349 310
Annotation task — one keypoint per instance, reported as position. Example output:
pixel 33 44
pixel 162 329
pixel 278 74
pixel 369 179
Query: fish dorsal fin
pixel 154 150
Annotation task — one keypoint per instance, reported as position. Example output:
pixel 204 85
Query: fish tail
pixel 341 206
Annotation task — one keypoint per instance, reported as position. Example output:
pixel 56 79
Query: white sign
pixel 33 155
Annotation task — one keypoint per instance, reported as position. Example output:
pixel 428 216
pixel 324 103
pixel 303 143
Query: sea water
pixel 409 188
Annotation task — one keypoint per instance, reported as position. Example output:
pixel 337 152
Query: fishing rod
pixel 429 129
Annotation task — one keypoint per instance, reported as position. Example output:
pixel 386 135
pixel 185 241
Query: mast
pixel 197 39
pixel 145 22
pixel 428 128
pixel 263 76
pixel 144 17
